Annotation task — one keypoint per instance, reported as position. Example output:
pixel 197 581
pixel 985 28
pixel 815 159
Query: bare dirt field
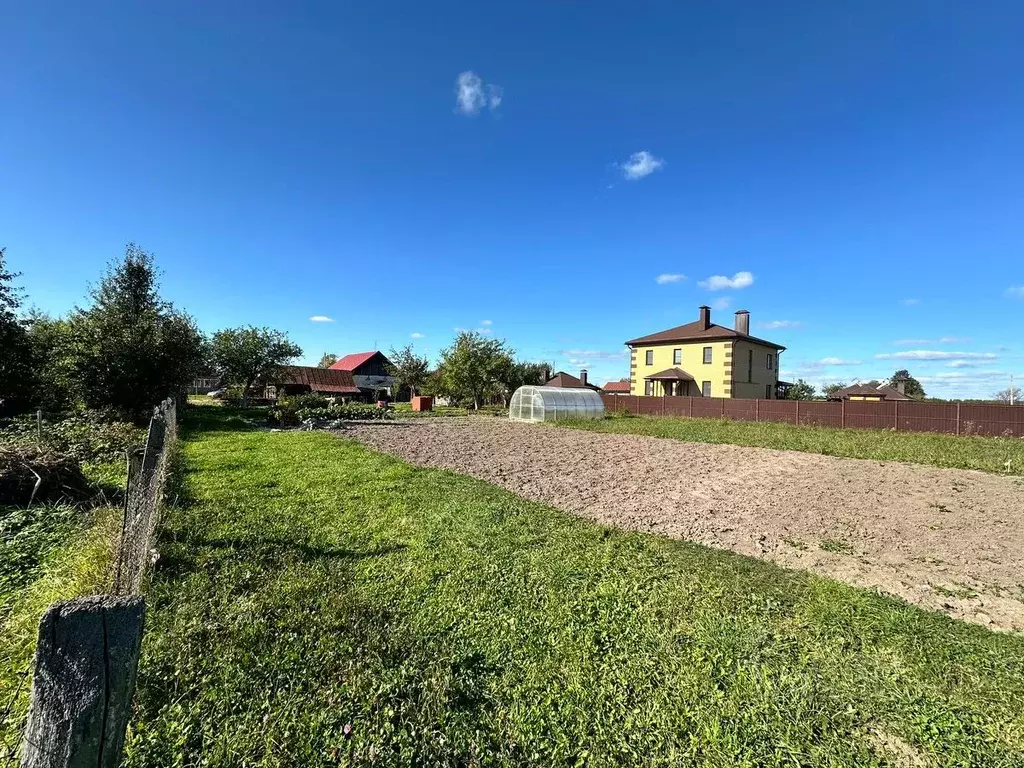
pixel 947 539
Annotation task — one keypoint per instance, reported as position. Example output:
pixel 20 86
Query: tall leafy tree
pixel 244 356
pixel 911 387
pixel 471 368
pixel 517 373
pixel 801 390
pixel 131 348
pixel 16 359
pixel 327 360
pixel 409 370
pixel 827 390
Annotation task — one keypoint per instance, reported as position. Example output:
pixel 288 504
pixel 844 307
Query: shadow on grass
pixel 220 418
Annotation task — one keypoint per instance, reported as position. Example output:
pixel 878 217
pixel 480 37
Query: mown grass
pixel 317 603
pixel 990 454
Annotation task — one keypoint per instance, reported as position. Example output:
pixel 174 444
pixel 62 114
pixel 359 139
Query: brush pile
pixel 31 474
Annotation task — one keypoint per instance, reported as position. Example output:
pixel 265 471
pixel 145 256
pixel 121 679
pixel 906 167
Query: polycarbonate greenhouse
pixel 554 404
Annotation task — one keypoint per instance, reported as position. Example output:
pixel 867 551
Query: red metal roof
pixel 617 386
pixel 319 379
pixel 353 361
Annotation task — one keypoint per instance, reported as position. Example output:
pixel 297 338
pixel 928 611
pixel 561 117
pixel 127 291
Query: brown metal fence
pixel 901 416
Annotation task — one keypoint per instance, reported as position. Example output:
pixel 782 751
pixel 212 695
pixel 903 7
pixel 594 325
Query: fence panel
pixel 821 414
pixel 677 405
pixel 706 407
pixel 865 414
pixel 739 409
pixel 927 417
pixel 784 411
pixel 992 420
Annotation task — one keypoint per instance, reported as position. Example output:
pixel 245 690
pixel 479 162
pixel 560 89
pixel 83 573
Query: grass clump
pixel 990 454
pixel 317 603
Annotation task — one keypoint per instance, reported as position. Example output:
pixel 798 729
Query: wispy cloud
pixel 669 277
pixel 935 354
pixel 473 95
pixel 924 342
pixel 963 364
pixel 640 164
pixel 910 302
pixel 416 335
pixel 721 303
pixel 321 319
pixel 722 282
pixel 485 331
pixel 593 354
pixel 837 361
pixel 486 322
pixel 774 324
pixel 1015 292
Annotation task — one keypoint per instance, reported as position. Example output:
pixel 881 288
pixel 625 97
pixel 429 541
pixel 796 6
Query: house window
pixel 750 365
pixel 768 391
pixel 677 356
pixel 707 355
pixel 705 387
pixel 649 387
pixel 770 356
pixel 649 357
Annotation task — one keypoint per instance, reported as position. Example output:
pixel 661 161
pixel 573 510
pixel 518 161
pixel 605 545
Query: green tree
pixel 409 370
pixel 471 368
pixel 828 390
pixel 131 348
pixel 16 359
pixel 801 391
pixel 514 374
pixel 327 360
pixel 911 387
pixel 52 343
pixel 244 356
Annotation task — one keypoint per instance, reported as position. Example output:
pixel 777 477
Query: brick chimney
pixel 583 376
pixel 743 322
pixel 900 385
pixel 705 318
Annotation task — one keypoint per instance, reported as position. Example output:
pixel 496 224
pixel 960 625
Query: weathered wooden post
pixel 86 661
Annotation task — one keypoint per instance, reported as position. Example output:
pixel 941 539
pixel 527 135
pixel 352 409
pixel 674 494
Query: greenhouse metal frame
pixel 533 404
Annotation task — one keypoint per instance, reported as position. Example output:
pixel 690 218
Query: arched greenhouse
pixel 554 404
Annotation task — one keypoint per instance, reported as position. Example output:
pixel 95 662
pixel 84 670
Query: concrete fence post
pixel 958 418
pixel 798 413
pixel 757 409
pixel 896 415
pixel 842 412
pixel 86 660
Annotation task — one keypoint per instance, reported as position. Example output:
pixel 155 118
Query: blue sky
pixel 531 169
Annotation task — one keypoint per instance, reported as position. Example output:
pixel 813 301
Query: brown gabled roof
pixel 622 385
pixel 694 332
pixel 671 374
pixel 319 379
pixel 864 390
pixel 567 381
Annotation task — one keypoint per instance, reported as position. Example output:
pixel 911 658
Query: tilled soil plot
pixel 946 539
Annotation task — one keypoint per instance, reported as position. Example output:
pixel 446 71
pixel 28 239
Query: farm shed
pixel 554 404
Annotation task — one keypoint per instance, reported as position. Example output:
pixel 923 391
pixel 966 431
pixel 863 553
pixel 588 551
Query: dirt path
pixel 947 539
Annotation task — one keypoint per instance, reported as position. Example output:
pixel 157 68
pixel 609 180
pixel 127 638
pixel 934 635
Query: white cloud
pixel 923 342
pixel 911 302
pixel 721 282
pixel 472 95
pixel 721 303
pixel 1015 292
pixel 935 354
pixel 485 331
pixel 486 322
pixel 780 324
pixel 416 335
pixel 594 354
pixel 837 361
pixel 669 277
pixel 640 164
pixel 962 364
pixel 321 319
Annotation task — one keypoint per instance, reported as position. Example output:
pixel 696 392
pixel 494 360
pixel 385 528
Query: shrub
pixel 346 412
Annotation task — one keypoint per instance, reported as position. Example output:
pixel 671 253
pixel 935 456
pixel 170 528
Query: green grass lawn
pixel 317 603
pixel 985 453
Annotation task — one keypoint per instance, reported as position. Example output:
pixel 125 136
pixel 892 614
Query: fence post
pixel 39 427
pixel 757 409
pixel 86 660
pixel 663 401
pixel 842 412
pixel 689 408
pixel 896 416
pixel 958 418
pixel 723 407
pixel 798 413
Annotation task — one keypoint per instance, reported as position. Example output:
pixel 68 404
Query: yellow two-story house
pixel 704 359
